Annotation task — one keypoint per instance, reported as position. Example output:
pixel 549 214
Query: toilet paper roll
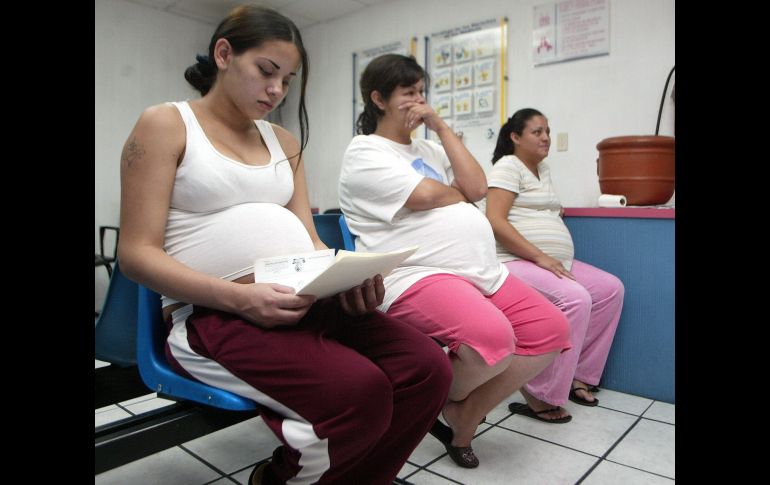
pixel 607 200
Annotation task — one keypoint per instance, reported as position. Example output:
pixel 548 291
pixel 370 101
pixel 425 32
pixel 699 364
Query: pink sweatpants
pixel 592 305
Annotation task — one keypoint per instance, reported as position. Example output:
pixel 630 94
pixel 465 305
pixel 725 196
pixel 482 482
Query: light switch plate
pixel 562 142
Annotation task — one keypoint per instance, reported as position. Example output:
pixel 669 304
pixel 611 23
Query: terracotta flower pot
pixel 639 167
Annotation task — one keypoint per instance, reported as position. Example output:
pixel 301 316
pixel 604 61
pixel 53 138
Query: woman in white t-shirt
pixel 536 246
pixel 397 192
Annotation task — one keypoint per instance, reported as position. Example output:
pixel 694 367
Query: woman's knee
pixel 366 401
pixel 492 336
pixel 574 298
pixel 472 361
pixel 432 369
pixel 472 370
pixel 616 286
pixel 556 322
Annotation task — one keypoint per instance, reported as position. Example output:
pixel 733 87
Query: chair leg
pixel 109 270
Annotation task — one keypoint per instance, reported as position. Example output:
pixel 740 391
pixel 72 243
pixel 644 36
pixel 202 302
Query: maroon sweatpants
pixel 350 397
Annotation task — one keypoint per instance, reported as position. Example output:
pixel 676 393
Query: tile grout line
pixel 195 455
pixel 658 421
pixel 642 470
pixel 548 441
pixel 603 457
pixel 433 473
pixel 120 406
pixel 639 469
pixel 124 407
pixel 220 478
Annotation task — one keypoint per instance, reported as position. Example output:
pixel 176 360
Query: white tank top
pixel 225 214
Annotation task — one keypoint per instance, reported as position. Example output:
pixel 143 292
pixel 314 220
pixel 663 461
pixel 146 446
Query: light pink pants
pixel 592 305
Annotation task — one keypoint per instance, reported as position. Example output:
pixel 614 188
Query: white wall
pixel 590 99
pixel 140 56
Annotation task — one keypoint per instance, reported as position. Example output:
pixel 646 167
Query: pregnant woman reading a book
pixel 206 191
pixel 397 192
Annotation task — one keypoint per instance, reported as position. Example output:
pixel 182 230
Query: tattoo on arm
pixel 131 152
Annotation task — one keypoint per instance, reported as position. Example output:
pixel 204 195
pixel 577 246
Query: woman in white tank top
pixel 206 190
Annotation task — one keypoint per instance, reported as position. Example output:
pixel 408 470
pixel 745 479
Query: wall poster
pixel 467 71
pixel 363 57
pixel 570 29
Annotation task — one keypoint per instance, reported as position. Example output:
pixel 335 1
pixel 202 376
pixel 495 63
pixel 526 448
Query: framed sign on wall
pixel 467 73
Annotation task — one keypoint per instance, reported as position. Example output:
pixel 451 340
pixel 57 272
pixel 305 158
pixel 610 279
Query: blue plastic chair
pixel 328 229
pixel 115 331
pixel 158 375
pixel 348 239
pixel 156 372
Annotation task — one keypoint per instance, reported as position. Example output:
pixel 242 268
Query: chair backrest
pixel 115 331
pixel 158 375
pixel 348 240
pixel 328 228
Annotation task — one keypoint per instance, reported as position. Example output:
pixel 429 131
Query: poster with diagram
pixel 363 57
pixel 466 66
pixel 570 29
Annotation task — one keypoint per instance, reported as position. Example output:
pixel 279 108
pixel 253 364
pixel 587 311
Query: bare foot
pixel 581 389
pixel 463 430
pixel 542 408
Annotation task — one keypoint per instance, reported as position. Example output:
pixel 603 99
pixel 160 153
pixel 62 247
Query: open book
pixel 322 274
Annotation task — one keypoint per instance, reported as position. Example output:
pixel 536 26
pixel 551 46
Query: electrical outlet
pixel 562 142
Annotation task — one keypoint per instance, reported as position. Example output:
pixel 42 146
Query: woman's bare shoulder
pixel 145 139
pixel 161 118
pixel 288 142
pixel 164 115
pixel 287 139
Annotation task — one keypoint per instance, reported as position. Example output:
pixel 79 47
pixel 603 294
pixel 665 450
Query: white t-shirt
pixel 535 211
pixel 377 177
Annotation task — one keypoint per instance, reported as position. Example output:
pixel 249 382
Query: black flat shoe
pixel 256 474
pixel 462 455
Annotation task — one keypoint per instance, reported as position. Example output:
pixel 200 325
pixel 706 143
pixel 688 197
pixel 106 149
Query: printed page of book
pixel 294 270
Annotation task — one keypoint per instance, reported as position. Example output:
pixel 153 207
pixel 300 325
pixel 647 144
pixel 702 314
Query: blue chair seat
pixel 156 372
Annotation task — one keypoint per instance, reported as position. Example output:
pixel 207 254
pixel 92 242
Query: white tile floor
pixel 626 439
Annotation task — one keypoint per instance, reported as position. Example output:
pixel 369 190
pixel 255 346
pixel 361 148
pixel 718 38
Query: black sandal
pixel 462 455
pixel 525 410
pixel 579 400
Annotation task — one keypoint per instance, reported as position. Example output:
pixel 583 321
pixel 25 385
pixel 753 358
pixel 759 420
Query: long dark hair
pixel 384 74
pixel 245 27
pixel 515 124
